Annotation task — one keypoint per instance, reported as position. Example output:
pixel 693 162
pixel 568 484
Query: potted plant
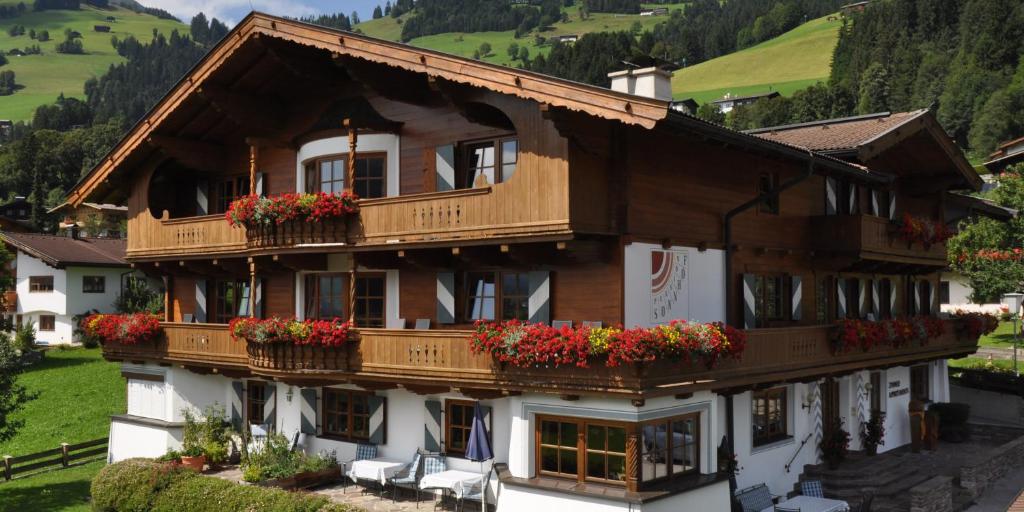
pixel 872 432
pixel 204 440
pixel 274 464
pixel 834 444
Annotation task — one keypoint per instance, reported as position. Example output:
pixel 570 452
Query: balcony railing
pixel 430 357
pixel 206 235
pixel 874 238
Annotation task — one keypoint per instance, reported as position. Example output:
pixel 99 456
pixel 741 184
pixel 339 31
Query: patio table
pixel 812 504
pixel 379 469
pixel 454 480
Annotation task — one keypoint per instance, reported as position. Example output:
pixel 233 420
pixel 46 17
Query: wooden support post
pixel 352 294
pixel 252 289
pixel 168 307
pixel 632 460
pixel 64 454
pixel 350 171
pixel 7 467
pixel 254 152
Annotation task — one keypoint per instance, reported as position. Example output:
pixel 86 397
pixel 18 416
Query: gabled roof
pixel 63 251
pixel 1007 154
pixel 982 206
pixel 866 137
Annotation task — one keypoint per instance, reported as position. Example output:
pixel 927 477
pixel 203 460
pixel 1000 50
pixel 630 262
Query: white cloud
pixel 231 11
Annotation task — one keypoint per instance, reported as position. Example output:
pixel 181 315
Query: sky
pixel 232 11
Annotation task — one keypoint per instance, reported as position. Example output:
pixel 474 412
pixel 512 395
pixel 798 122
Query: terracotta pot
pixel 195 463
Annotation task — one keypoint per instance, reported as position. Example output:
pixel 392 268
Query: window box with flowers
pixel 128 329
pixel 924 231
pixel 524 345
pixel 973 325
pixel 289 219
pixel 289 344
pixel 852 334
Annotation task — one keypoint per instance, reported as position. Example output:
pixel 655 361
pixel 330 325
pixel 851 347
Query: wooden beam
pixel 193 154
pixel 259 115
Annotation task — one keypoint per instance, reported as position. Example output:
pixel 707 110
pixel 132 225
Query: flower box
pixel 923 231
pixel 254 212
pixel 850 334
pixel 129 329
pixel 296 232
pixel 306 480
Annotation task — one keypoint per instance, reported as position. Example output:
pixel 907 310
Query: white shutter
pixel 892 205
pixel 432 426
pixel 874 203
pixel 261 189
pixel 841 297
pixel 892 298
pixel 830 196
pixel 270 407
pixel 876 307
pixel 201 300
pixel 539 302
pixel 146 399
pixel 378 416
pixel 852 199
pixel 862 296
pixel 202 202
pixel 749 301
pixel 258 310
pixel 796 300
pixel 309 411
pixel 445 167
pixel 445 297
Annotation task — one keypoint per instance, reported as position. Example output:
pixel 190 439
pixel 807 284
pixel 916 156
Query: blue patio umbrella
pixel 478 448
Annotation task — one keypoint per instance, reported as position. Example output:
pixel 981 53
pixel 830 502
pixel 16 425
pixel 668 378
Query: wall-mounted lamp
pixel 807 401
pixel 288 395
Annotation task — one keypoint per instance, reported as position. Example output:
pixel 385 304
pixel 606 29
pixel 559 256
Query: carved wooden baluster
pixel 458 214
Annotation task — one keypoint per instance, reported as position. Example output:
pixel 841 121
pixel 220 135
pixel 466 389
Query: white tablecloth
pixel 812 504
pixel 375 469
pixel 453 479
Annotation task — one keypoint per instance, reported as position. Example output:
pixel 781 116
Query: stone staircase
pixel 888 477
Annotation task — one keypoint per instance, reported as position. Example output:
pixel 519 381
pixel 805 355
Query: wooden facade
pixel 592 172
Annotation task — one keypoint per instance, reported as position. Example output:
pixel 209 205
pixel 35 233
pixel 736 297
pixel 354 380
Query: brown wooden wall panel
pixel 184 297
pixel 278 168
pixel 279 294
pixel 417 295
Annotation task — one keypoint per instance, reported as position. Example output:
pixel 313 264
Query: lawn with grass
pixel 1002 337
pixel 43 77
pixel 66 490
pixel 981 362
pixel 786 63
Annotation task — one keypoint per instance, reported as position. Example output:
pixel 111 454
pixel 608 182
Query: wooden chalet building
pixel 490 193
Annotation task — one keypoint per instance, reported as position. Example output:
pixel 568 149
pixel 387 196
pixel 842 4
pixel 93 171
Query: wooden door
pixel 829 404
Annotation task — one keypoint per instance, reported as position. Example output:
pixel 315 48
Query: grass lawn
pixel 975 362
pixel 1002 337
pixel 786 63
pixel 78 391
pixel 44 77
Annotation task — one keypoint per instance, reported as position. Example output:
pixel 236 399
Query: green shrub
pixel 25 337
pixel 211 494
pixel 132 485
pixel 275 459
pixel 206 435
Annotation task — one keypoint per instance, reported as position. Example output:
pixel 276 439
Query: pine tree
pixel 874 90
pixel 377 13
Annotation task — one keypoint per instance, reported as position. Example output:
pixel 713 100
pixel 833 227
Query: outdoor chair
pixel 408 477
pixel 593 324
pixel 812 488
pixel 755 498
pixel 363 452
pixel 779 508
pixel 432 463
pixel 422 323
pixel 558 324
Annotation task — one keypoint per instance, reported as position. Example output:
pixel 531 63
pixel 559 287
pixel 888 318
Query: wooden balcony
pixel 9 302
pixel 871 238
pixel 208 235
pixel 429 359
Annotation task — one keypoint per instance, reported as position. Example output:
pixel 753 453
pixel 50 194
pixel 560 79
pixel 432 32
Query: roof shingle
pixel 837 134
pixel 62 251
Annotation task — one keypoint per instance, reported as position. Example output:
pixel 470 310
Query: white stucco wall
pixel 79 302
pixel 128 440
pixel 366 143
pixel 705 274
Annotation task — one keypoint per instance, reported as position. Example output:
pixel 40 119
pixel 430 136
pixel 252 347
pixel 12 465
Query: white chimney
pixel 652 82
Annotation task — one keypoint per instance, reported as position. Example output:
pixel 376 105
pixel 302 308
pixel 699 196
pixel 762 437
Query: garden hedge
pixel 138 485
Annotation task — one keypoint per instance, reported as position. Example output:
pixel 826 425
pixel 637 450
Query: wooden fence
pixel 61 456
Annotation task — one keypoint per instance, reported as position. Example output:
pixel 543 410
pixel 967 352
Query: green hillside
pixel 465 44
pixel 786 63
pixel 45 76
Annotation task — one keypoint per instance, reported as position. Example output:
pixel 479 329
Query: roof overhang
pixel 547 90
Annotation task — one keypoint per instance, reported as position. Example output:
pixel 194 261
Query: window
pixel 885 298
pixel 458 423
pixel 582 449
pixel 823 299
pixel 346 414
pixel 227 190
pixel 849 198
pixel 47 323
pixel 255 402
pixel 944 292
pixel 852 297
pixel 770 299
pixel 326 175
pixel 670 448
pixel 230 300
pixel 493 295
pixel 326 296
pixel 883 204
pixel 768 416
pixel 924 290
pixel 370 295
pixel 94 284
pixel 370 179
pixel 40 284
pixel 919 389
pixel 766 184
pixel 487 162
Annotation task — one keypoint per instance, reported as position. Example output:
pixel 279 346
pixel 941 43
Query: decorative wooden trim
pixel 152 377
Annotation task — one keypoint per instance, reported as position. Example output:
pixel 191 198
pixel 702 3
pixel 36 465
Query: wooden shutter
pixel 258 310
pixel 237 404
pixel 916 290
pixel 378 419
pixel 310 411
pixel 445 297
pixel 749 301
pixel 874 203
pixel 261 188
pixel 841 298
pixel 432 426
pixel 539 303
pixel 876 296
pixel 444 167
pixel 202 201
pixel 269 407
pixel 201 300
pixel 831 206
pixel 796 297
pixel 892 205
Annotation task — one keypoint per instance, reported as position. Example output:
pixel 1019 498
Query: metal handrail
pixel 791 459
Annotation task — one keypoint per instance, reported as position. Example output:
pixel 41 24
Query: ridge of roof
pixel 835 120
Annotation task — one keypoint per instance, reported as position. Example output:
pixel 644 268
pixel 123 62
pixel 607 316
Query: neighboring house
pixel 686 106
pixel 58 277
pixel 854 7
pixel 19 209
pixel 1007 154
pixel 954 288
pixel 94 219
pixel 489 193
pixel 726 103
